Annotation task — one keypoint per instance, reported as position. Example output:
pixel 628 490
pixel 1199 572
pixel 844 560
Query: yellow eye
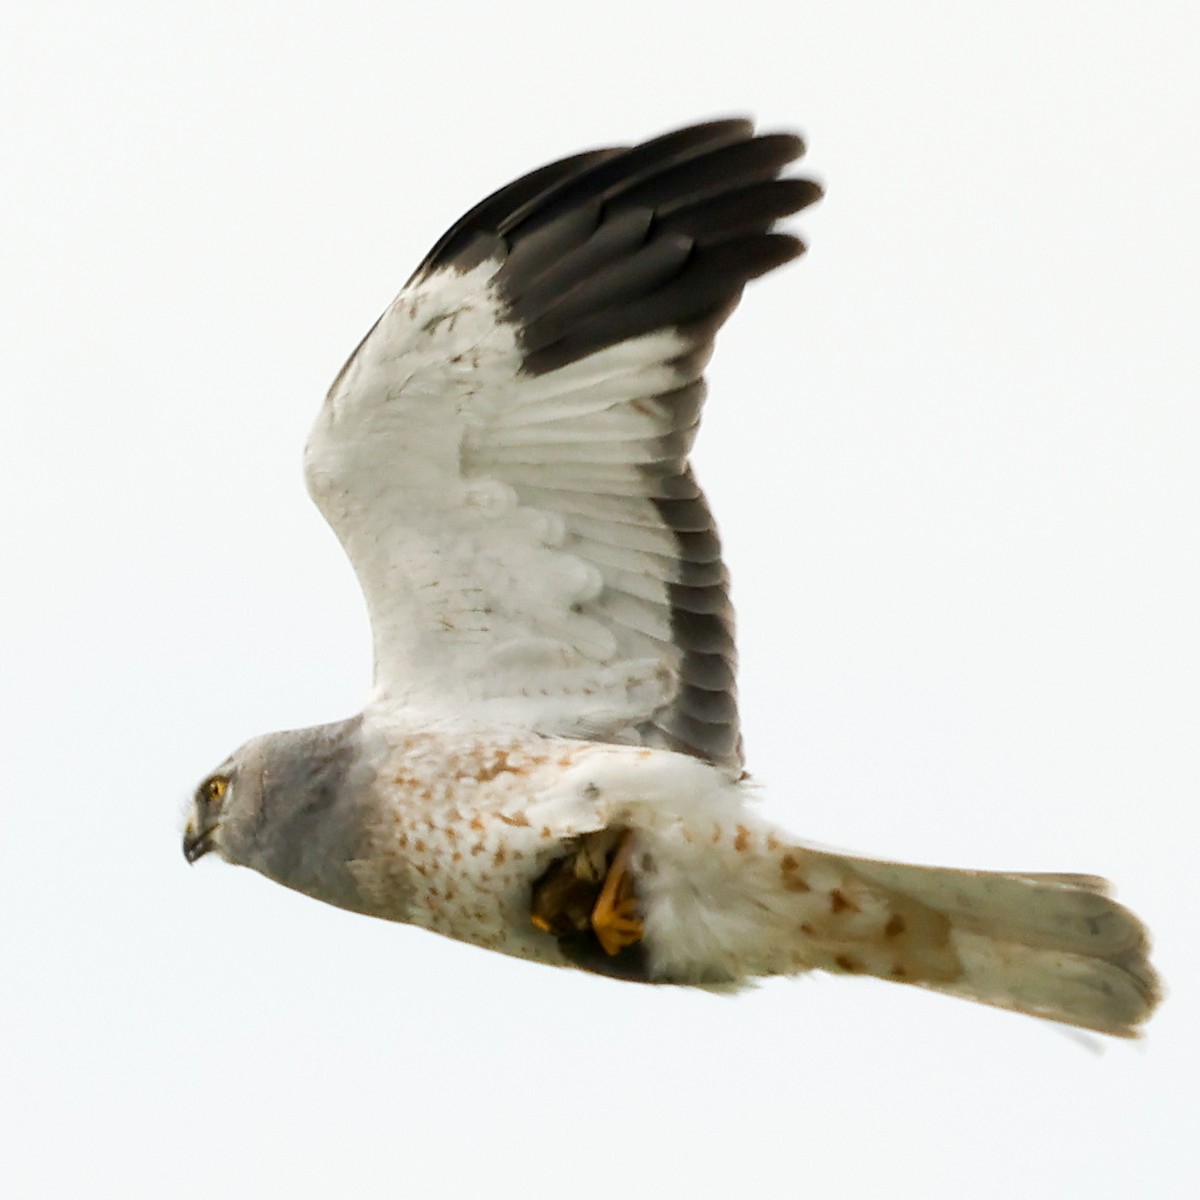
pixel 216 787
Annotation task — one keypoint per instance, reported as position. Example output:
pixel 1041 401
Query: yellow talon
pixel 616 918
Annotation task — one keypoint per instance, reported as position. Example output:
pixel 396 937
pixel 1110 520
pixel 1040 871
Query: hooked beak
pixel 197 844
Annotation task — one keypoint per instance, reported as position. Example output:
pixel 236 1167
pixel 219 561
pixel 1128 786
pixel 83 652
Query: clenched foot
pixel 617 918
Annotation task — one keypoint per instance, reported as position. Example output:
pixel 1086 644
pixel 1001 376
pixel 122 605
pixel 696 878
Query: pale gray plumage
pixel 294 807
pixel 550 764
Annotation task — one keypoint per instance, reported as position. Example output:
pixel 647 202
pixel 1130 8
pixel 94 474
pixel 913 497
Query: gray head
pixel 287 805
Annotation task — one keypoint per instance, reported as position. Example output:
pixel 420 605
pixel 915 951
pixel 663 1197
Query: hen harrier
pixel 549 764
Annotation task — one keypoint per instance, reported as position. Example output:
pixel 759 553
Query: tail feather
pixel 1092 993
pixel 1053 946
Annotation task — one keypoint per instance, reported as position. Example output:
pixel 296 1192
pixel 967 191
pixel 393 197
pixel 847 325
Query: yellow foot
pixel 617 918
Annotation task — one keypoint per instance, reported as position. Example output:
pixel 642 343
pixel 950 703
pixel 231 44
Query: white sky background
pixel 954 455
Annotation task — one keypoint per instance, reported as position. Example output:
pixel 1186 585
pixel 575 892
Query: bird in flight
pixel 549 763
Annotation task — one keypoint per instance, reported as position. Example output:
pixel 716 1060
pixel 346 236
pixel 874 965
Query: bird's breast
pixel 460 830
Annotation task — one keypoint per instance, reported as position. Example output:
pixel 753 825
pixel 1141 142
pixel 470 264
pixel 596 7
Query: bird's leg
pixel 616 918
pixel 564 895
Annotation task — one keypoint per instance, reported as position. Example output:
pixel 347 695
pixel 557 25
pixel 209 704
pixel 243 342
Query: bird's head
pixel 235 809
pixel 285 804
pixel 204 819
pixel 224 803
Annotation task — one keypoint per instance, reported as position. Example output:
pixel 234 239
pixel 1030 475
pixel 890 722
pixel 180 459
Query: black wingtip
pixel 681 175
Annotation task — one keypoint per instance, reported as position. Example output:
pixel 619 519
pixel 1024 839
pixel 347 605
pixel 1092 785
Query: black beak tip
pixel 196 846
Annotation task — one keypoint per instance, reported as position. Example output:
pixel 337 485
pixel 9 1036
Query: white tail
pixel 1054 946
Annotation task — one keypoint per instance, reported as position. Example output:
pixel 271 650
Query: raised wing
pixel 504 457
